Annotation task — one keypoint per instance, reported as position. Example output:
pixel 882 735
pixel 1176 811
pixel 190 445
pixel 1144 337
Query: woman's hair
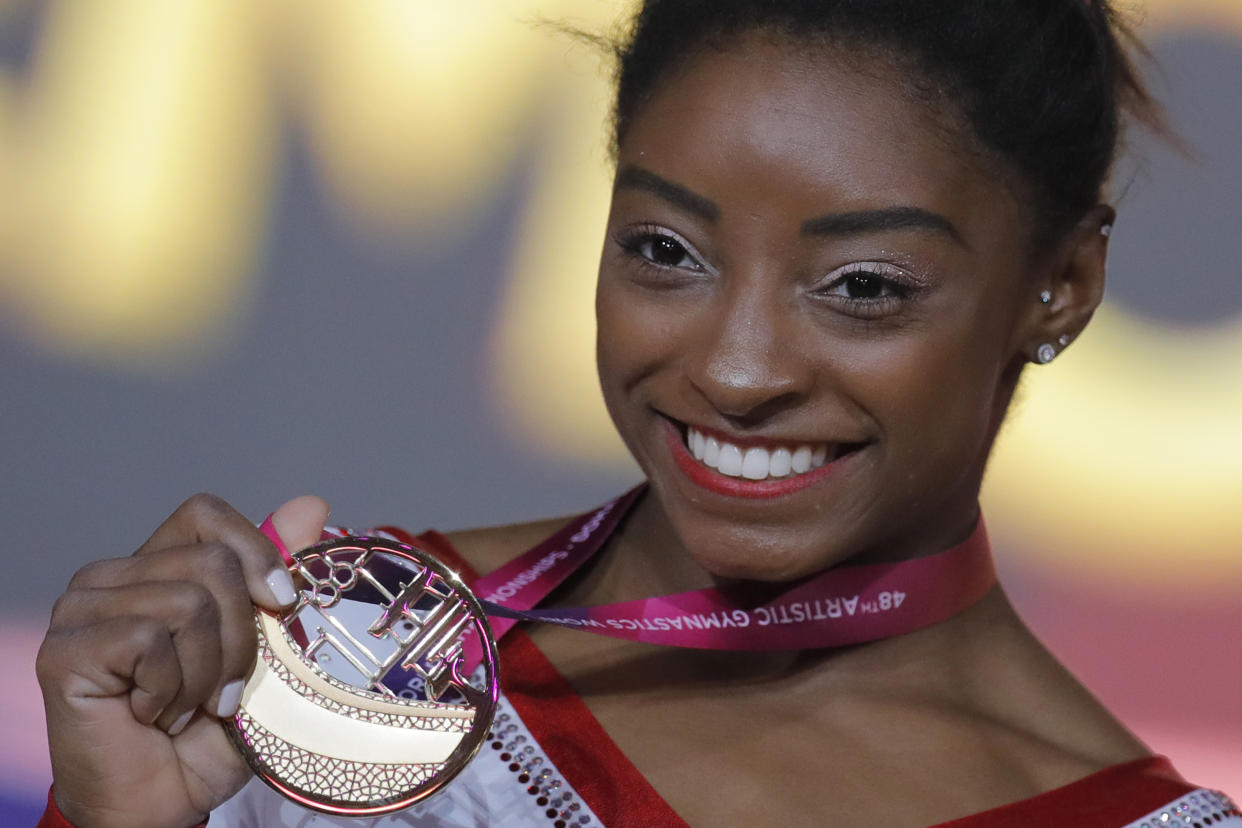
pixel 1042 83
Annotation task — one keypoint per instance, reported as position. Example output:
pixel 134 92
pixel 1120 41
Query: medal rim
pixel 472 740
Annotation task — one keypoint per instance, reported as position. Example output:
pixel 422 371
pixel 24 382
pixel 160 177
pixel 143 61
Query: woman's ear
pixel 1070 287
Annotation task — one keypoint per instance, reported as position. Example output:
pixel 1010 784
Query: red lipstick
pixel 723 484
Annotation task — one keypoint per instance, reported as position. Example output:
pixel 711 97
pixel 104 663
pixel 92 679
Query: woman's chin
pixel 757 558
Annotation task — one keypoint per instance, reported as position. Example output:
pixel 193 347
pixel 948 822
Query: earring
pixel 1045 354
pixel 1045 296
pixel 1063 340
pixel 1106 230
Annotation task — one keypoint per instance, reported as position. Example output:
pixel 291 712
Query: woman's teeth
pixel 754 463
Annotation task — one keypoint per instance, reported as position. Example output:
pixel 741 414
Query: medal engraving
pixel 357 703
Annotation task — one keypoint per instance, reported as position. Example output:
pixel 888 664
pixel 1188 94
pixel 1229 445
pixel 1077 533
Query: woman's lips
pixel 755 462
pixel 768 471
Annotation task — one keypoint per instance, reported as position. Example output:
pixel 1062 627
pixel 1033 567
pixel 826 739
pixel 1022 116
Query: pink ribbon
pixel 848 604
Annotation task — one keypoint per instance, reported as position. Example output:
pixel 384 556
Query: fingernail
pixel 180 724
pixel 280 582
pixel 230 698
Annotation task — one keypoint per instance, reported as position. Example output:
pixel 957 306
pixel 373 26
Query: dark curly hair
pixel 1043 84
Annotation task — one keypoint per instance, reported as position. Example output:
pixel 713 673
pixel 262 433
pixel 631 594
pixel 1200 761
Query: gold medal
pixel 357 704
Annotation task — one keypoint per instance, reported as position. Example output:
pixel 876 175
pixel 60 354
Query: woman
pixel 839 232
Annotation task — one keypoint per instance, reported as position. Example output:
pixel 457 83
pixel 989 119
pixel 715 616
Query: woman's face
pixel 809 301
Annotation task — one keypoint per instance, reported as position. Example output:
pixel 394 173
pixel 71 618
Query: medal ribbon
pixel 848 604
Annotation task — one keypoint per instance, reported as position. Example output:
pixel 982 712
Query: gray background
pixel 360 374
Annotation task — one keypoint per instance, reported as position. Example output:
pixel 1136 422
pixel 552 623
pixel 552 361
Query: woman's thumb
pixel 300 521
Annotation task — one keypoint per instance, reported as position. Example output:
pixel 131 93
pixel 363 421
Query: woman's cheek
pixel 930 396
pixel 635 331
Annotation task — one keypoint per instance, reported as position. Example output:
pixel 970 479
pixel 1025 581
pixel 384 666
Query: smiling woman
pixel 819 279
pixel 839 233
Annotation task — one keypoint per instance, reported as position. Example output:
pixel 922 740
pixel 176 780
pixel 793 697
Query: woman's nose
pixel 745 361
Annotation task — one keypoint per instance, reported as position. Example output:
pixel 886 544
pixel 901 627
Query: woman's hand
pixel 145 653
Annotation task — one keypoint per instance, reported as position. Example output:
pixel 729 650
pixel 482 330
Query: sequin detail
pixel 511 746
pixel 1198 809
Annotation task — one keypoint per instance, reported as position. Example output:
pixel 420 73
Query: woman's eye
pixel 865 290
pixel 661 250
pixel 864 286
pixel 665 251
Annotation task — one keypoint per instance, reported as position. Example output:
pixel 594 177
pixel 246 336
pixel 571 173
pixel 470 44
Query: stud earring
pixel 1063 340
pixel 1045 354
pixel 1106 230
pixel 1045 296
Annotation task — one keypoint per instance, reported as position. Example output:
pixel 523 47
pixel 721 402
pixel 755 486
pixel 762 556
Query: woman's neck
pixel 645 557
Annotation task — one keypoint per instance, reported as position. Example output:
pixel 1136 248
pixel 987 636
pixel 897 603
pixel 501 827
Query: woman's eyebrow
pixel 837 224
pixel 636 178
pixel 887 218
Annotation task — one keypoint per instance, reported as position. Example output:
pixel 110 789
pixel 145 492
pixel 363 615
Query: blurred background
pixel 265 248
